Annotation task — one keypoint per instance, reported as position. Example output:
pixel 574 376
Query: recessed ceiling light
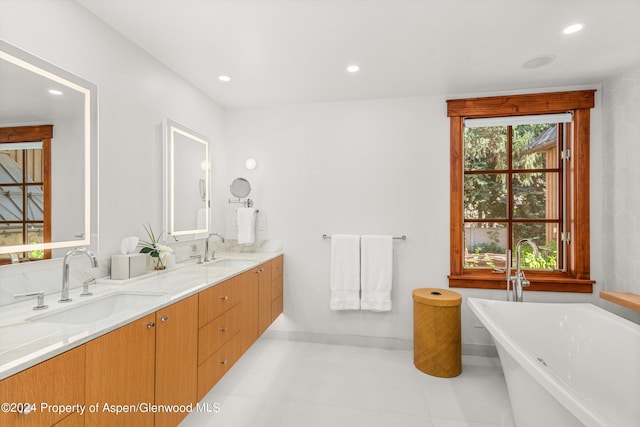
pixel 353 68
pixel 224 78
pixel 55 92
pixel 573 28
pixel 539 61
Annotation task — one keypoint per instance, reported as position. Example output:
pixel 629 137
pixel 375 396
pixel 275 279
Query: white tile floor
pixel 292 384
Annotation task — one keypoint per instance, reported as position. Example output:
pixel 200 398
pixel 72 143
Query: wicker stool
pixel 437 336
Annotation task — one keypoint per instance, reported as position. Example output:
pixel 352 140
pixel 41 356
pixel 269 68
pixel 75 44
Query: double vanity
pixel 140 352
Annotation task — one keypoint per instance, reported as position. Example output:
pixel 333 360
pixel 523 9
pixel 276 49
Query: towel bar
pixel 248 202
pixel 403 237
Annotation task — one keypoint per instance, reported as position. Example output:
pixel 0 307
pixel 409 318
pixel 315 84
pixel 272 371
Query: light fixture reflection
pixel 251 164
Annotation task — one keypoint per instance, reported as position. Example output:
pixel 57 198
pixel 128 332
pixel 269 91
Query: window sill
pixel 543 284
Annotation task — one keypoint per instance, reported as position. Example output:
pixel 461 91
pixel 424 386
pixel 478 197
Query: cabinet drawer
pixel 276 287
pixel 216 300
pixel 277 306
pixel 57 381
pixel 214 334
pixel 210 372
pixel 277 267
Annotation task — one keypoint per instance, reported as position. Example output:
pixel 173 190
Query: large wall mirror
pixel 186 195
pixel 48 158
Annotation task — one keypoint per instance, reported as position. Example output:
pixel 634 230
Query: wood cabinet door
pixel 249 319
pixel 176 359
pixel 120 369
pixel 264 297
pixel 57 381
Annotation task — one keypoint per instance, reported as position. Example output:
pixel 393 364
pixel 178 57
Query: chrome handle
pixel 40 305
pixel 164 318
pixel 224 298
pixel 85 287
pixel 150 325
pixel 223 329
pixel 197 256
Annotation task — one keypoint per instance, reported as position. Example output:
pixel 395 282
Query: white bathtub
pixel 566 364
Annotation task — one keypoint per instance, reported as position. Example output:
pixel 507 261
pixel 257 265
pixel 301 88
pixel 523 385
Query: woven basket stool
pixel 437 334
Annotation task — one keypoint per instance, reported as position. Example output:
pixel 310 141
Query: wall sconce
pixel 251 164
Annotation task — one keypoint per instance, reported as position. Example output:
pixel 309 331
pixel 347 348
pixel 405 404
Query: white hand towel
pixel 376 272
pixel 246 226
pixel 345 272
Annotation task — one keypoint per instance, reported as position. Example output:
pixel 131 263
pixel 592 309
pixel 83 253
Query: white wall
pixel 621 136
pixel 136 93
pixel 379 167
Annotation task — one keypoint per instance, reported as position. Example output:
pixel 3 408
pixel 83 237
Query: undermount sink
pixel 231 263
pixel 100 307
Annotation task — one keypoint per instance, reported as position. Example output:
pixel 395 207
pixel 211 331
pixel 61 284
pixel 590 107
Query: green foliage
pixel 547 259
pixel 491 247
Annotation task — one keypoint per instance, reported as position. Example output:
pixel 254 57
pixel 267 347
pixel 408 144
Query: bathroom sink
pixel 100 307
pixel 231 263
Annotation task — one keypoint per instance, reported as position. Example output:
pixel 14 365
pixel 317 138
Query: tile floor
pixel 292 384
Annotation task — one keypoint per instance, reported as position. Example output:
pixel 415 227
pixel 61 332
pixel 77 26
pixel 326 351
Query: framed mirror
pixel 187 170
pixel 48 158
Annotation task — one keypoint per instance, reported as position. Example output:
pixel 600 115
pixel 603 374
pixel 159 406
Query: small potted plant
pixel 152 247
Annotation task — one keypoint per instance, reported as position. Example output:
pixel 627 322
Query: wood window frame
pixel 42 133
pixel 576 276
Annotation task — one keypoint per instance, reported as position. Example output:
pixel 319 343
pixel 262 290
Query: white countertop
pixel 25 341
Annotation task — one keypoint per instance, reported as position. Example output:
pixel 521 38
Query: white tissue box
pixel 128 266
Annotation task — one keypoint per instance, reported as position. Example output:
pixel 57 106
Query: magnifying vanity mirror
pixel 48 158
pixel 240 188
pixel 187 169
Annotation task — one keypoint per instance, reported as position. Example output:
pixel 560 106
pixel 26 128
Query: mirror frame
pixel 169 129
pixel 29 62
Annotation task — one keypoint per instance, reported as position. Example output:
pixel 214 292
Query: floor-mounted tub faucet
pixel 64 295
pixel 206 246
pixel 515 284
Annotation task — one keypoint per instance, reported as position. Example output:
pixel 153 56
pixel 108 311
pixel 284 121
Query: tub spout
pixel 518 282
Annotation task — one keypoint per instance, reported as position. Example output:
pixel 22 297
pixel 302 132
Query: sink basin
pixel 231 263
pixel 100 307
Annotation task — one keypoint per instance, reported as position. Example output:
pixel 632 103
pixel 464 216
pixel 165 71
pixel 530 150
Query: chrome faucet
pixel 206 246
pixel 515 284
pixel 64 295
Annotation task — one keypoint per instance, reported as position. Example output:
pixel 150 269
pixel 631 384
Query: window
pixel 518 173
pixel 25 195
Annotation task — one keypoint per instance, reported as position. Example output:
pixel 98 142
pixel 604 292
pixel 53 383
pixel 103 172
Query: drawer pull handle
pixel 224 298
pixel 150 325
pixel 223 362
pixel 223 329
pixel 164 318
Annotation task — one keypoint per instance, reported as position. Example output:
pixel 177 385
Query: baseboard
pixel 354 340
pixel 483 350
pixel 365 341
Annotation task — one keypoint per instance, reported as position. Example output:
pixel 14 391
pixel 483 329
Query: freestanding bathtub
pixel 566 364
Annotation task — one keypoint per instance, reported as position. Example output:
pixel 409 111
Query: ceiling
pixel 296 51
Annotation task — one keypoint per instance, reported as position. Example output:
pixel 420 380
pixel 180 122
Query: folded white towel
pixel 246 226
pixel 376 272
pixel 345 272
